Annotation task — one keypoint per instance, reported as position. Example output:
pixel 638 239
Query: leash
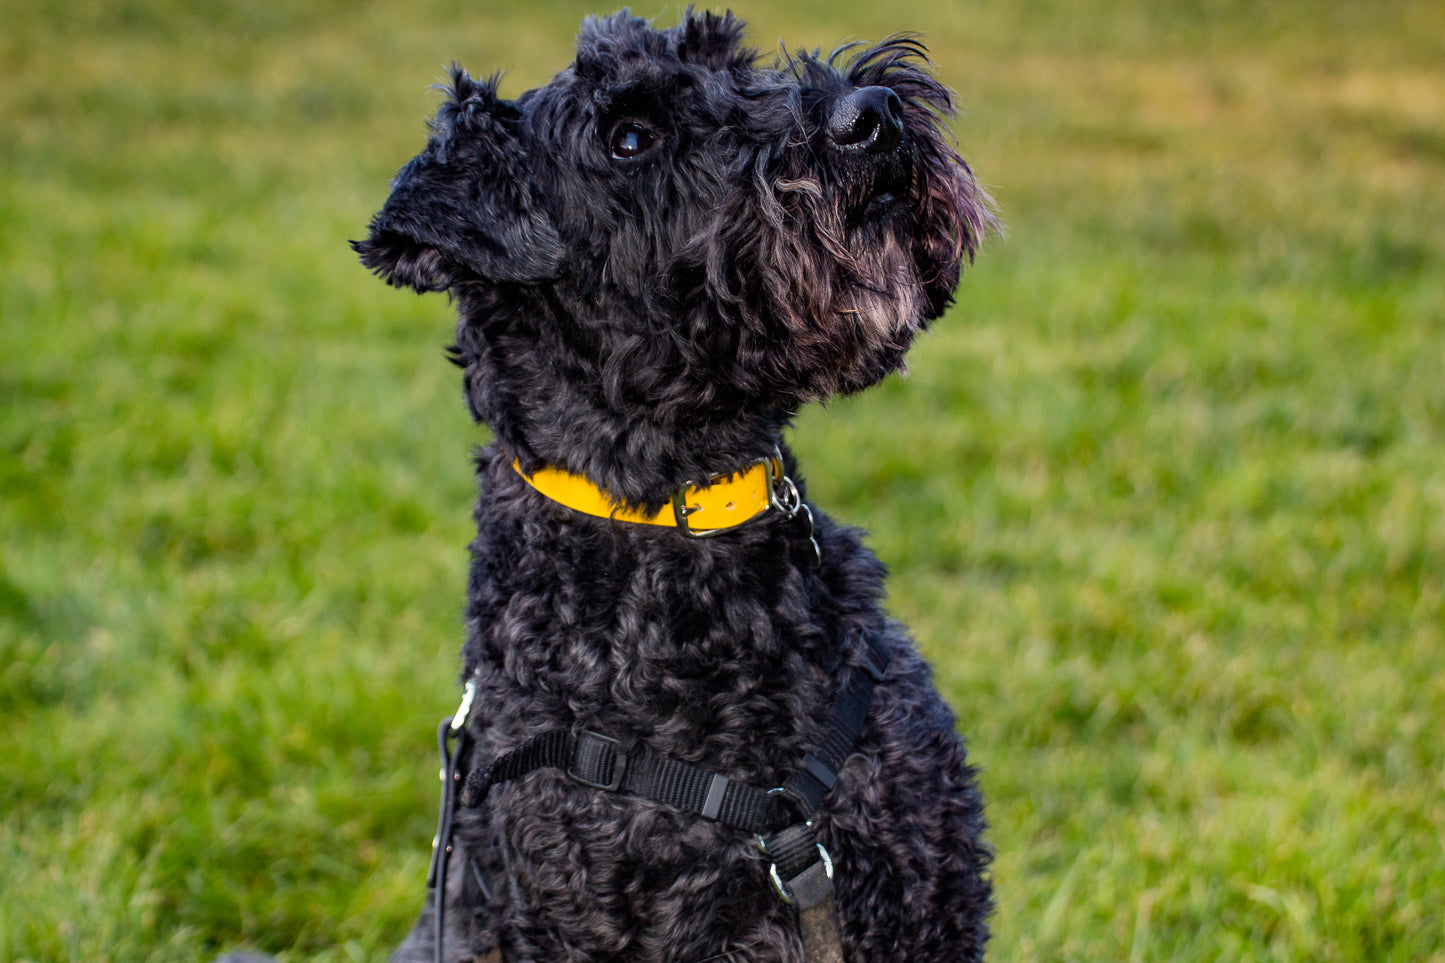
pixel 781 818
pixel 452 728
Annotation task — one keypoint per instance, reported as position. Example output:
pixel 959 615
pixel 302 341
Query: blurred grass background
pixel 1163 497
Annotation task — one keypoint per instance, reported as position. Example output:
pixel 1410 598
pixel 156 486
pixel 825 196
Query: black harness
pixel 781 818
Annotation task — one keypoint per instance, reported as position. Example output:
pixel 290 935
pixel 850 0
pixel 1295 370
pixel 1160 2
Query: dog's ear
pixel 467 207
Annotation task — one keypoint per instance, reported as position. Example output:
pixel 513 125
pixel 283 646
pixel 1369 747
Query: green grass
pixel 1163 498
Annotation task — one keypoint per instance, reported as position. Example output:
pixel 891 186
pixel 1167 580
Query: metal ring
pixel 781 794
pixel 791 499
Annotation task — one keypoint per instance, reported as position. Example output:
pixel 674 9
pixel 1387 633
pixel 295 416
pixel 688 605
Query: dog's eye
pixel 631 140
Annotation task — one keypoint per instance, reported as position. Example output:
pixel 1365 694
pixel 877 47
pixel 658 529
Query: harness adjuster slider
pixel 597 761
pixel 785 892
pixel 870 665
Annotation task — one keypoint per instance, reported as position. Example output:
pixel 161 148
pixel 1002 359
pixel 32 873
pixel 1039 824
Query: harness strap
pixel 822 943
pixel 599 761
pixel 806 787
pixel 801 870
pixel 442 844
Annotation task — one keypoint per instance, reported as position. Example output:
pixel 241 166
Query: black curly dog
pixel 657 258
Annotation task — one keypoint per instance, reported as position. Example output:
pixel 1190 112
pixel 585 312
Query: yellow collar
pixel 724 503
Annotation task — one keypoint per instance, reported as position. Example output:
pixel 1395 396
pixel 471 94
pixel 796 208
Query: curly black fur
pixel 657 258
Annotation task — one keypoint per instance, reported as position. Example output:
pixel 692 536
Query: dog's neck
pixel 558 393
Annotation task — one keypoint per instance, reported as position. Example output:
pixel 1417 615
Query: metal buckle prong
pixel 681 510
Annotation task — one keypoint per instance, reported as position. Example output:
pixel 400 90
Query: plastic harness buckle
pixel 597 761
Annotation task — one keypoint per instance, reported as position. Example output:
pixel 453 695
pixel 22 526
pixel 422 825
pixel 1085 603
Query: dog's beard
pixel 856 265
pixel 885 295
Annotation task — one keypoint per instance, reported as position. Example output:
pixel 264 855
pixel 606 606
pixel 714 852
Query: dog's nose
pixel 869 119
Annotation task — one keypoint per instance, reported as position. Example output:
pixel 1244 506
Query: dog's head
pixel 708 235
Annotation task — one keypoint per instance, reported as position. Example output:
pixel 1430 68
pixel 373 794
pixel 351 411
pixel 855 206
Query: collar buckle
pixel 773 472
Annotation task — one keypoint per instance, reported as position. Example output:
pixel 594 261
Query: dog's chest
pixel 722 654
